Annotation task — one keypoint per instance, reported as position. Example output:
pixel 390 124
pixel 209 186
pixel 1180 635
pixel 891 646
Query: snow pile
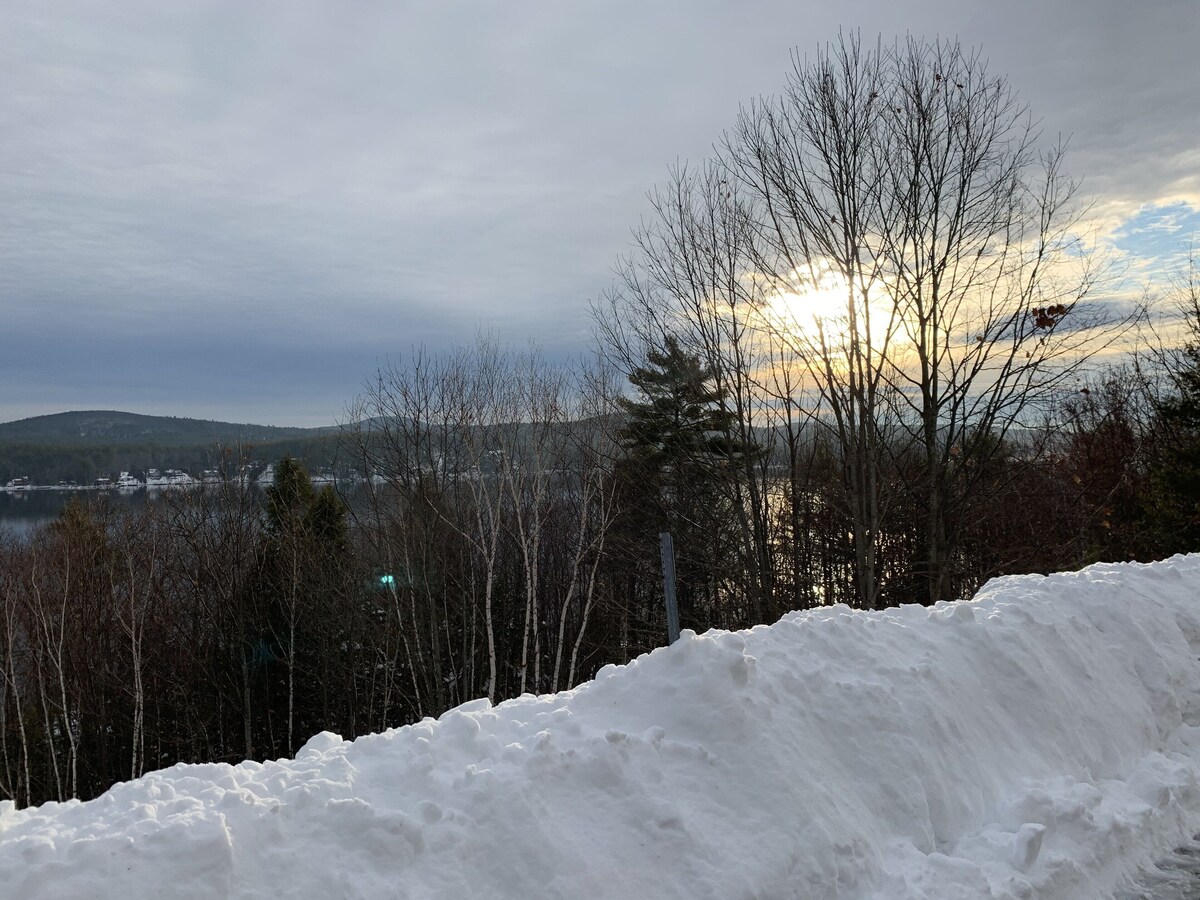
pixel 1038 741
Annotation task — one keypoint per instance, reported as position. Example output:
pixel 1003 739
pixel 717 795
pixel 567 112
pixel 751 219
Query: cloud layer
pixel 236 210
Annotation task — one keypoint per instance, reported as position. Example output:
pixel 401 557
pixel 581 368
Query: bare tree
pixel 891 217
pixel 687 285
pixel 491 499
pixel 586 495
pixel 987 270
pixel 16 675
pixel 810 163
pixel 135 584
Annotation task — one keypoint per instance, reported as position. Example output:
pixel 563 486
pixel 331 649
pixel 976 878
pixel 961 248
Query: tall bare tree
pixel 810 164
pixel 892 216
pixel 987 270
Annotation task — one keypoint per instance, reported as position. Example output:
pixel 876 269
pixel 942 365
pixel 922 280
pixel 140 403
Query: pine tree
pixel 678 429
pixel 306 554
pixel 676 473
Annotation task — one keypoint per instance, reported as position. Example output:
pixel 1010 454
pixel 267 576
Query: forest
pixel 50 463
pixel 865 354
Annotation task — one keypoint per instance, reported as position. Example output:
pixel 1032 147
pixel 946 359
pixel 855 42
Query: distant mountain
pixel 89 427
pixel 83 445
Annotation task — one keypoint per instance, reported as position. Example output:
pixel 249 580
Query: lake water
pixel 22 511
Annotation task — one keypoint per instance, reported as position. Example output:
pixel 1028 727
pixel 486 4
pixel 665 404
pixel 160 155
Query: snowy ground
pixel 1039 741
pixel 1175 876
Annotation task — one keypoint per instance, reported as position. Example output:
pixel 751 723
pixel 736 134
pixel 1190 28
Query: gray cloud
pixel 284 192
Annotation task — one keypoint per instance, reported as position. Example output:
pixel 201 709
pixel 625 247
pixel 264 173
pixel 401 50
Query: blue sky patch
pixel 1162 234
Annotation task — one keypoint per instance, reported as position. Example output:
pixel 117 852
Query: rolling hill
pixel 112 426
pixel 81 445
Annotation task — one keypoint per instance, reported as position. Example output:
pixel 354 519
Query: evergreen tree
pixel 675 476
pixel 677 428
pixel 305 567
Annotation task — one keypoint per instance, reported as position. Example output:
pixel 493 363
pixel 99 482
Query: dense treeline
pixel 508 544
pixel 132 640
pixel 938 419
pixel 83 463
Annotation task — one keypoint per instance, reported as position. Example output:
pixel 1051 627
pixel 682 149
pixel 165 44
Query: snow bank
pixel 1038 741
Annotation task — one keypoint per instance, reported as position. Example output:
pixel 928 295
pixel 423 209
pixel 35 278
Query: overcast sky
pixel 238 210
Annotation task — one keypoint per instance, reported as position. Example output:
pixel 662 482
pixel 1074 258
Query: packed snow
pixel 1040 740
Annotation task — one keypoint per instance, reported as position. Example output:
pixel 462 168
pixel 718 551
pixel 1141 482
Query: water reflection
pixel 21 512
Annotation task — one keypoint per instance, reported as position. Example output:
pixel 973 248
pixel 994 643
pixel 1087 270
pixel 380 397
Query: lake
pixel 22 511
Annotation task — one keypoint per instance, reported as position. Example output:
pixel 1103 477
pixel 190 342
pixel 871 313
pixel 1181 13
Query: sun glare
pixel 806 311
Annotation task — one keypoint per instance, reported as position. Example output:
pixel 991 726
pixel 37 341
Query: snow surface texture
pixel 1038 741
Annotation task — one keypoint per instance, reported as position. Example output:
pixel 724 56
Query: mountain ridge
pixel 102 426
pixel 81 445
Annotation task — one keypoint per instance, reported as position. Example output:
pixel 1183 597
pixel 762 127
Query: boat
pixel 169 478
pixel 128 482
pixel 21 483
pixel 177 478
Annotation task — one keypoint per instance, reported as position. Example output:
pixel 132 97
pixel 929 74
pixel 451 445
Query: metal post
pixel 668 565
